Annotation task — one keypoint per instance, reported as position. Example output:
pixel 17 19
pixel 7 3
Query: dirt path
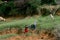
pixel 42 36
pixel 27 38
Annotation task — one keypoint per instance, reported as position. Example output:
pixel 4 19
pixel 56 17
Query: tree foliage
pixel 27 8
pixel 5 8
pixel 53 2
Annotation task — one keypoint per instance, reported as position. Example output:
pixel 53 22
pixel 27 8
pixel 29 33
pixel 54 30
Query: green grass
pixel 16 23
pixel 47 22
pixel 7 36
pixel 43 22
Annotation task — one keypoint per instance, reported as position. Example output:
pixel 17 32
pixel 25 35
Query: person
pixel 52 17
pixel 33 26
pixel 26 30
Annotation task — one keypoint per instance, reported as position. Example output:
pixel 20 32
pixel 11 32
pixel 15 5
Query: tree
pixel 53 2
pixel 5 8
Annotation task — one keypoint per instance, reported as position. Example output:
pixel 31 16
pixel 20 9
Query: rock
pixel 2 19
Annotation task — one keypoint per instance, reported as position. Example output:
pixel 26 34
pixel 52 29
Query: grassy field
pixel 42 23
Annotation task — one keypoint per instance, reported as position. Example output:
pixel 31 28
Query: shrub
pixel 30 7
pixel 58 11
pixel 45 12
pixel 52 2
pixel 6 8
pixel 34 5
pixel 27 8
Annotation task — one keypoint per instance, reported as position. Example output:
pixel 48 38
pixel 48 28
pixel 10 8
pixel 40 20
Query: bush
pixel 31 10
pixel 45 12
pixel 6 8
pixel 58 11
pixel 13 12
pixel 27 8
pixel 52 2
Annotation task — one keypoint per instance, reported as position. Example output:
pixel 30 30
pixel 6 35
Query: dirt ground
pixel 43 35
pixel 30 38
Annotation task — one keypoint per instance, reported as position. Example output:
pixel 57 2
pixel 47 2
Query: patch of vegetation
pixel 16 23
pixel 7 36
pixel 26 8
pixel 5 8
pixel 53 2
pixel 45 11
pixel 43 22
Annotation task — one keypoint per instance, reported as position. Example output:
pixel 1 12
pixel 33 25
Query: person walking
pixel 26 30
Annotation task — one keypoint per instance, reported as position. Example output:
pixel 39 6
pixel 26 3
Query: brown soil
pixel 43 35
pixel 46 37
